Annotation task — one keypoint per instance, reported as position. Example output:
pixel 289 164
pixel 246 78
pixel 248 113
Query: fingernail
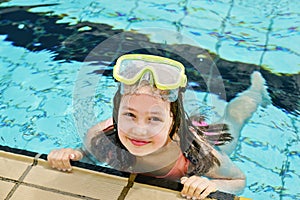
pixel 183 179
pixel 59 169
pixel 183 195
pixel 70 169
pixel 188 197
pixel 72 156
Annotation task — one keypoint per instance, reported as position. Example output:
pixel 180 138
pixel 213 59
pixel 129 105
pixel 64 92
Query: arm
pixel 227 177
pixel 60 158
pixel 95 130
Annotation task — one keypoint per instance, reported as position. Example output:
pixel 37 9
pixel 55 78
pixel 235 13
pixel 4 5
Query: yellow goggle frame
pixel 157 65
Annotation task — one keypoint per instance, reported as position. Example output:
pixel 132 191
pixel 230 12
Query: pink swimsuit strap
pixel 179 170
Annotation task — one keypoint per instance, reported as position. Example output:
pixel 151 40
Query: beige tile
pixel 150 192
pixel 79 181
pixel 13 165
pixel 5 188
pixel 30 193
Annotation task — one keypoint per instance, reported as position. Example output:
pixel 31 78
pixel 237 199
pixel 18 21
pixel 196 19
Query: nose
pixel 139 131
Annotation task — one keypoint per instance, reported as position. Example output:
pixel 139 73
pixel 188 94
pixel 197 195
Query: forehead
pixel 144 102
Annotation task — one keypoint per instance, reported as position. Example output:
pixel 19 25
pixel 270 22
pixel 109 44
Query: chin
pixel 139 152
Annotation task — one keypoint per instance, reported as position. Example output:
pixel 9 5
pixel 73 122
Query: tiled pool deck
pixel 24 177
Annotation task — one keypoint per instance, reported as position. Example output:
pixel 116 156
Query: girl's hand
pixel 60 159
pixel 196 187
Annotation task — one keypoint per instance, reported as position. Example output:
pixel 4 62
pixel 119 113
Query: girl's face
pixel 144 123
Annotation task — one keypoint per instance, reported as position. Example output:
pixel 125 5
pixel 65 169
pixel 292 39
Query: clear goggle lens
pixel 167 74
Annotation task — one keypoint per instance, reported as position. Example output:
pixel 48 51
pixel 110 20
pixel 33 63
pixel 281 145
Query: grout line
pixel 22 177
pixel 129 185
pixel 25 173
pixel 8 180
pixel 57 191
pixel 17 182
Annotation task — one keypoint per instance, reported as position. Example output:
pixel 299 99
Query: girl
pixel 150 132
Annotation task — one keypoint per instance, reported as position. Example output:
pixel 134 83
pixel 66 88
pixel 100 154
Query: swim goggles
pixel 167 74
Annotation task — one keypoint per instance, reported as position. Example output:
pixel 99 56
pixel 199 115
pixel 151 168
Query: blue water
pixel 49 98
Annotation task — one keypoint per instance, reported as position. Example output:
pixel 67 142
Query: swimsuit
pixel 179 170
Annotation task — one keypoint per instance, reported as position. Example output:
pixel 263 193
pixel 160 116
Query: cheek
pixel 121 134
pixel 123 124
pixel 161 139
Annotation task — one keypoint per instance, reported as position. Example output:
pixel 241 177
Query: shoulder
pixel 100 126
pixel 97 129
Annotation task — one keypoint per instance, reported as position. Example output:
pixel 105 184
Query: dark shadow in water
pixel 38 31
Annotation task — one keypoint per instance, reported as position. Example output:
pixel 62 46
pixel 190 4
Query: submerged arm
pixel 227 177
pixel 60 158
pixel 95 130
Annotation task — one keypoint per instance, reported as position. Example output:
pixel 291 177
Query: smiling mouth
pixel 138 142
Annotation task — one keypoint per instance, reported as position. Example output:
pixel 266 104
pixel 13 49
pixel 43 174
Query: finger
pixel 72 156
pixel 207 191
pixel 61 159
pixel 201 188
pixel 186 184
pixel 58 159
pixel 195 190
pixel 65 161
pixel 203 185
pixel 50 158
pixel 183 179
pixel 189 187
pixel 76 155
pixel 185 188
pixel 54 158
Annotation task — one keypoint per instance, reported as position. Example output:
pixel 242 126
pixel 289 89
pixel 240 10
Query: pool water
pixel 56 58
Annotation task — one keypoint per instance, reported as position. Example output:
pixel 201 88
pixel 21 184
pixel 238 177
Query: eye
pixel 129 114
pixel 156 119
